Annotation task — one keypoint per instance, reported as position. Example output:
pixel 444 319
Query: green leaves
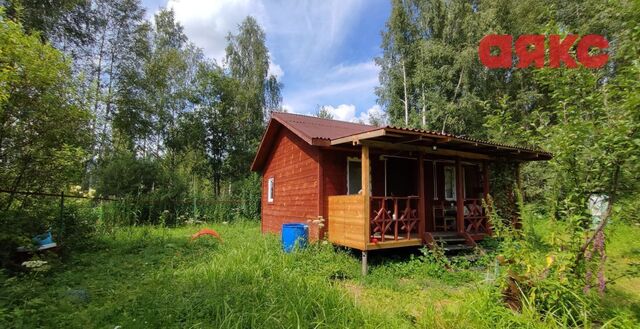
pixel 44 133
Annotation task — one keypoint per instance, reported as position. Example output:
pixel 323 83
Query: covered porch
pixel 410 187
pixel 409 199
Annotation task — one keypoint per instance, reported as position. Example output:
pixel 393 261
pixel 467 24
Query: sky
pixel 322 50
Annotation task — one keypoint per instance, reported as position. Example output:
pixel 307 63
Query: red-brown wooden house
pixel 377 187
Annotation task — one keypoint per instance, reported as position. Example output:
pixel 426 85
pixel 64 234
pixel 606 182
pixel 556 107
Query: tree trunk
pixel 406 98
pixel 424 110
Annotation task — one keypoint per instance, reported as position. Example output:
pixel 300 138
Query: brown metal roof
pixel 310 128
pixel 325 132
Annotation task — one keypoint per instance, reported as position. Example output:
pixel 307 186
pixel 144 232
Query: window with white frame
pixel 270 188
pixel 449 183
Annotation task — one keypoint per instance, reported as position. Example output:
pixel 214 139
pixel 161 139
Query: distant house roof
pixel 326 132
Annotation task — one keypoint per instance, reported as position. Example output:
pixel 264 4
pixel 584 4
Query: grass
pixel 147 277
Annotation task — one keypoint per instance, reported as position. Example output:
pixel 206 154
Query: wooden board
pixel 394 244
pixel 346 219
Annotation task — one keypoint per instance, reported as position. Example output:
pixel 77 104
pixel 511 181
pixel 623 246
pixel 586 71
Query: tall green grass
pixel 148 277
pixel 154 277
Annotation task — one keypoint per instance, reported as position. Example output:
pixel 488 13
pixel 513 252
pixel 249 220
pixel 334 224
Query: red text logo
pixel 530 49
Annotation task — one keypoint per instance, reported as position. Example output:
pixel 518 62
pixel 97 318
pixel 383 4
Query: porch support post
pixel 519 177
pixel 485 191
pixel 485 180
pixel 421 196
pixel 366 194
pixel 459 196
pixel 365 265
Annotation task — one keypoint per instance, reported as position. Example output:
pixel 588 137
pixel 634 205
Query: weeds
pixel 144 276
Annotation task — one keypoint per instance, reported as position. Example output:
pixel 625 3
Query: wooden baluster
pixel 373 223
pixel 380 207
pixel 382 219
pixel 409 218
pixel 474 222
pixel 385 219
pixel 459 196
pixel 395 218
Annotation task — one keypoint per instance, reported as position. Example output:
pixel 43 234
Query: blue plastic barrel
pixel 294 234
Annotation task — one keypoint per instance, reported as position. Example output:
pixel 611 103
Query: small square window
pixel 270 188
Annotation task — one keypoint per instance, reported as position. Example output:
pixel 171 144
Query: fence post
pixel 60 234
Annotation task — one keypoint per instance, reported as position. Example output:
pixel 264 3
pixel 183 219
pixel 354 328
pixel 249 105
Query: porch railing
pixel 394 218
pixel 475 218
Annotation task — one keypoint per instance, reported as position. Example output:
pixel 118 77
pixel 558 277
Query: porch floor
pixel 411 242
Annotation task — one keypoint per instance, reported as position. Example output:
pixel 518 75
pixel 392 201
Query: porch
pixel 414 200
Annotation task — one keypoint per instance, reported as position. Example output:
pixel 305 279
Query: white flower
pixel 34 263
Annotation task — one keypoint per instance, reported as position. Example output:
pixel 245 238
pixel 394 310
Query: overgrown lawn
pixel 150 277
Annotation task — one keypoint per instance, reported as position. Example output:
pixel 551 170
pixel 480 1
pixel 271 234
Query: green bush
pixel 250 197
pixel 78 226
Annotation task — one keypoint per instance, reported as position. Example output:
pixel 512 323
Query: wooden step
pixel 456 247
pixel 444 234
pixel 450 239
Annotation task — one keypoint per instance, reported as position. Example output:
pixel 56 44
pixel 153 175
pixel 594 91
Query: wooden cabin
pixel 377 187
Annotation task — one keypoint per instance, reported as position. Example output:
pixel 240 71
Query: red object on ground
pixel 206 231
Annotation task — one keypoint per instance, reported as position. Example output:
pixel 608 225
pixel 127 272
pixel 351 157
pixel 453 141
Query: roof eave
pixel 443 140
pixel 265 145
pixel 360 136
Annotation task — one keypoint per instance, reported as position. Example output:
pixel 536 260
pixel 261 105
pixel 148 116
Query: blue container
pixel 294 234
pixel 43 239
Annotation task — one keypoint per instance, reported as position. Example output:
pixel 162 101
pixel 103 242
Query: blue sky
pixel 321 50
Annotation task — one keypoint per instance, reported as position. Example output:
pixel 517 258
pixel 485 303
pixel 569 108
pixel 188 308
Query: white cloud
pixel 357 69
pixel 307 30
pixel 307 37
pixel 343 84
pixel 288 108
pixel 348 112
pixel 341 87
pixel 343 112
pixel 275 70
pixel 207 23
pixel 375 111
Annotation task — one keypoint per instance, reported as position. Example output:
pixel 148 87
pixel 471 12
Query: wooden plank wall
pixel 346 215
pixel 294 166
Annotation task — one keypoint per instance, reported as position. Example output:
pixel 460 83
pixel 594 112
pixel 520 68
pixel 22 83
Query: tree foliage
pixel 44 130
pixel 431 78
pixel 94 94
pixel 45 134
pixel 587 118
